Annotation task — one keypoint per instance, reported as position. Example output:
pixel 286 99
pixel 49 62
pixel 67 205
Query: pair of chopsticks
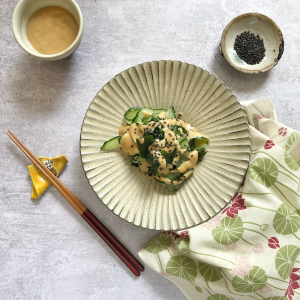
pixel 101 230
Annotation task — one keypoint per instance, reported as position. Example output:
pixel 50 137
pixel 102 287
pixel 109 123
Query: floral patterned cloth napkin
pixel 251 249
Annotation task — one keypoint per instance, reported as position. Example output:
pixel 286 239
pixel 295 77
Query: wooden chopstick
pixel 101 230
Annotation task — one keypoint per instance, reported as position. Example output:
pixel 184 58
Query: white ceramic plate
pixel 207 104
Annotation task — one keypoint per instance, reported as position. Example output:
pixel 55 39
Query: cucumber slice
pixel 137 160
pixel 146 120
pixel 184 144
pixel 140 114
pixel 130 114
pixel 171 114
pixel 112 143
pixel 198 142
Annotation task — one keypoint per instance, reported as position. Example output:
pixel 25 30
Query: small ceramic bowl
pixel 24 10
pixel 258 24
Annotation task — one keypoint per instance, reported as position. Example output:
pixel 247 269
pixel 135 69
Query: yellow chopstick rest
pixel 39 182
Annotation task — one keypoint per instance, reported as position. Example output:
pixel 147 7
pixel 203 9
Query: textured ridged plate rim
pixel 195 86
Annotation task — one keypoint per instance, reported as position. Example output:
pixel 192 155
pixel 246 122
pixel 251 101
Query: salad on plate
pixel 163 146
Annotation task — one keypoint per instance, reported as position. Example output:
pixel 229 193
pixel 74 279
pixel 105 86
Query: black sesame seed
pixel 249 47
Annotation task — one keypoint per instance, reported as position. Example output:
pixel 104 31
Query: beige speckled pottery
pixel 257 24
pixel 207 104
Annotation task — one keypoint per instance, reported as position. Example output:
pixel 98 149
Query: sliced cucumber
pixel 112 143
pixel 184 144
pixel 198 142
pixel 140 114
pixel 171 114
pixel 146 120
pixel 137 160
pixel 130 114
pixel 183 137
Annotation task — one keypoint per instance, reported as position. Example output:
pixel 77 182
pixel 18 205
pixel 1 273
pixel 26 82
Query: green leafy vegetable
pixel 162 160
pixel 169 156
pixel 143 148
pixel 150 159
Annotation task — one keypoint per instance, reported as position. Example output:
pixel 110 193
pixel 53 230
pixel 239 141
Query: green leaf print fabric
pixel 251 249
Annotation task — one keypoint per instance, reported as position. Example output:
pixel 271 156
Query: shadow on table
pixel 236 80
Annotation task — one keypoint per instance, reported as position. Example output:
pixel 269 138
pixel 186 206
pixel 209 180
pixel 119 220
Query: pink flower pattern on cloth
pixel 266 289
pixel 250 249
pixel 237 204
pixel 242 266
pixel 262 118
pixel 212 223
pixel 293 284
pixel 282 131
pixel 184 233
pixel 173 246
pixel 175 235
pixel 230 246
pixel 258 248
pixel 273 243
pixel 269 144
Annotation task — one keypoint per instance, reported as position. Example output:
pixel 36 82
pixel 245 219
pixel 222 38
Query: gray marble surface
pixel 47 251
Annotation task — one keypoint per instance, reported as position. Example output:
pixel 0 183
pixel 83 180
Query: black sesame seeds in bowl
pixel 249 47
pixel 252 43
